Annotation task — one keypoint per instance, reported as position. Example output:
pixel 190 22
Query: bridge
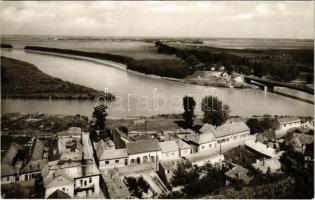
pixel 268 85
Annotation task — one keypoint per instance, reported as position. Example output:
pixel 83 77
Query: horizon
pixel 156 37
pixel 154 19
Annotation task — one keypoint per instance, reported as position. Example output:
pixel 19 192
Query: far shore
pixel 122 66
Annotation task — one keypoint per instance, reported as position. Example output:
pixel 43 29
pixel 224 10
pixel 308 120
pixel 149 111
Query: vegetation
pixel 260 125
pixel 189 107
pixel 24 80
pixel 280 65
pixel 6 46
pixel 137 186
pixel 165 68
pixel 104 56
pixel 215 112
pixel 198 180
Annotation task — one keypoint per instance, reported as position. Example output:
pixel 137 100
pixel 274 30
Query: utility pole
pixel 220 147
pixel 145 124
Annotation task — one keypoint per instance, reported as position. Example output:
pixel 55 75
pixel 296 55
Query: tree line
pixel 245 65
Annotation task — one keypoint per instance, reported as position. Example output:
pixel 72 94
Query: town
pixel 122 163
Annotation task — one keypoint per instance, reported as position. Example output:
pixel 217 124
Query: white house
pixel 169 150
pixel 184 149
pixel 231 132
pixel 143 151
pixel 112 158
pixel 59 181
pixel 284 124
pixel 203 142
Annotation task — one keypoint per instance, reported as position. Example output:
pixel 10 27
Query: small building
pixel 203 142
pixel 308 124
pixel 237 173
pixel 286 123
pixel 262 149
pixel 112 186
pixel 169 150
pixel 61 182
pixel 120 138
pixel 231 132
pixel 184 149
pixel 268 137
pixel 242 156
pixel 143 151
pixel 58 194
pixel 112 158
pixel 271 164
pixel 8 169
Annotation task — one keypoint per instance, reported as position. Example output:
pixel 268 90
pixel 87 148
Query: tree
pixel 254 125
pixel 189 106
pixel 137 186
pixel 100 113
pixel 215 112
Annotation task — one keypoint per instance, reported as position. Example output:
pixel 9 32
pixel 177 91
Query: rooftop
pixel 182 145
pixel 34 166
pixel 203 138
pixel 273 164
pixel 143 146
pixel 112 154
pixel 62 179
pixel 239 172
pixel 207 128
pixel 11 154
pixel 263 149
pixel 115 186
pixel 168 146
pixel 286 120
pixel 58 194
pixel 230 128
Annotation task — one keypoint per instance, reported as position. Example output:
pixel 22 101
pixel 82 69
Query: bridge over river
pixel 268 85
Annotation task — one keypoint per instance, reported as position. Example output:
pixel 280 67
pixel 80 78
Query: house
pixel 207 128
pixel 308 124
pixel 237 173
pixel 286 123
pixel 75 168
pixel 268 137
pixel 271 164
pixel 34 163
pixel 58 194
pixel 299 141
pixel 112 158
pixel 184 149
pixel 59 182
pixel 120 138
pixel 143 151
pixel 262 149
pixel 9 170
pixel 169 150
pixel 231 132
pixel 241 156
pixel 203 142
pixel 112 186
pixel 166 171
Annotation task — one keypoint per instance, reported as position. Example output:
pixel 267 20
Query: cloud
pixel 160 18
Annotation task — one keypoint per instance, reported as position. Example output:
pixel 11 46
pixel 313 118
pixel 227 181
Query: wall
pixel 185 152
pixel 287 126
pixel 69 189
pixel 169 155
pixel 86 182
pixel 207 146
pixel 233 138
pixel 30 176
pixel 112 163
pixel 155 154
pixel 7 179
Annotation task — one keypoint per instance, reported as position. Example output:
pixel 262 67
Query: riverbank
pixel 24 80
pixel 123 66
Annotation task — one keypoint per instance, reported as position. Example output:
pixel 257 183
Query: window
pixel 63 189
pixel 106 162
pixel 81 182
pixel 166 155
pixel 210 145
pixel 85 183
pixel 90 180
pixel 173 154
pixel 116 161
pixel 26 177
pixel 8 178
pixel 202 147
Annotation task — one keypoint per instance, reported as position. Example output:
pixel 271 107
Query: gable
pixel 59 181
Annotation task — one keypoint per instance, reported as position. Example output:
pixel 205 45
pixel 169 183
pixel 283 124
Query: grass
pixel 24 80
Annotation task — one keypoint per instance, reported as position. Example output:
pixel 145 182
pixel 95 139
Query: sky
pixel 240 19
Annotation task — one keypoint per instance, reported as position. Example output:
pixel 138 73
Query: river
pixel 139 95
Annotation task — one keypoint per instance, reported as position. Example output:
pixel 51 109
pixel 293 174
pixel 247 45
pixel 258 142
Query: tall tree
pixel 100 114
pixel 189 107
pixel 215 112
